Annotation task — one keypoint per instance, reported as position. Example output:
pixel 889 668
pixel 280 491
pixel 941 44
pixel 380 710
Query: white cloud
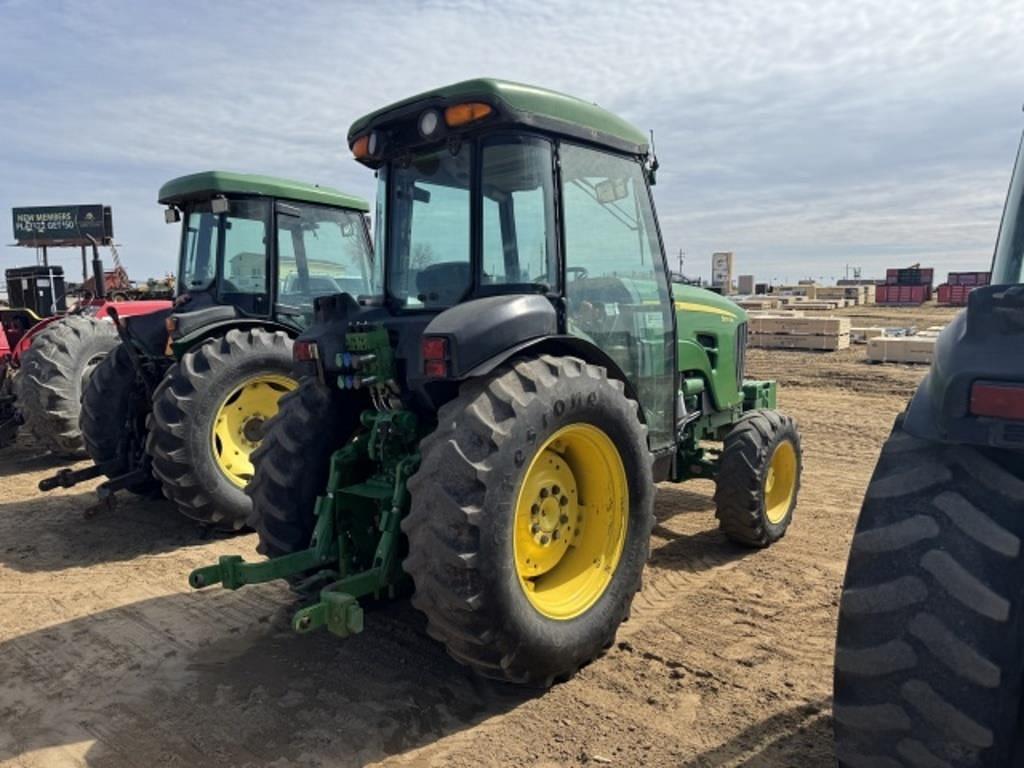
pixel 792 132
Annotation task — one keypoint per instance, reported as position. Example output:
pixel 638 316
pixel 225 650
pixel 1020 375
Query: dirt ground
pixel 108 659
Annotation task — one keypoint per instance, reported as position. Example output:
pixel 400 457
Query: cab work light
pixel 1000 400
pixel 461 114
pixel 435 357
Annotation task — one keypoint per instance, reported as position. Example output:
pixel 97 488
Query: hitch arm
pixel 68 478
pixel 234 572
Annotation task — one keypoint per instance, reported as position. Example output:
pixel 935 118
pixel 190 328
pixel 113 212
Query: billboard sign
pixel 62 225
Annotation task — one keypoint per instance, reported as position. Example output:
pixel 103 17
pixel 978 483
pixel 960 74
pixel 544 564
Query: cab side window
pixel 616 288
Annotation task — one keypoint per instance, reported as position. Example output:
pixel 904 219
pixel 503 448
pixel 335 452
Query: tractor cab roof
pixel 198 186
pixel 511 104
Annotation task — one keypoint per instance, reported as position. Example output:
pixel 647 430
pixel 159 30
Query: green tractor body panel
pixel 210 183
pixel 710 338
pixel 518 104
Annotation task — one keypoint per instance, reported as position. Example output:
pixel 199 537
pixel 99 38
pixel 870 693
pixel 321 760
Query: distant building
pixel 721 271
pixel 745 284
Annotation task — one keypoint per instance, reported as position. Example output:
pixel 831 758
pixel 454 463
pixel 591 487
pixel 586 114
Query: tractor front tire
pixel 758 478
pixel 54 373
pixel 293 464
pixel 113 399
pixel 208 417
pixel 530 519
pixel 930 645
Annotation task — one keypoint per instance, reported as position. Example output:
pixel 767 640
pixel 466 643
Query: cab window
pixel 519 244
pixel 321 251
pixel 616 287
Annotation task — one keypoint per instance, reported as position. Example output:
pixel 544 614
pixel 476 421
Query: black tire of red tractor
pixel 460 524
pixel 53 375
pixel 739 487
pixel 929 657
pixel 185 405
pixel 292 465
pixel 108 406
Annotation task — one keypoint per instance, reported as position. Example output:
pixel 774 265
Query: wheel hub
pixel 571 516
pixel 252 430
pixel 780 480
pixel 239 423
pixel 551 489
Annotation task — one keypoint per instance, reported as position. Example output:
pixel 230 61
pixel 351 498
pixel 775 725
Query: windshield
pixel 238 238
pixel 321 251
pixel 430 210
pixel 1009 261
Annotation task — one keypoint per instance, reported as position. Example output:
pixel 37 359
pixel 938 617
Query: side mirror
pixel 172 215
pixel 220 205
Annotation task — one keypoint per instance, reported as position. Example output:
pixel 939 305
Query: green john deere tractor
pixel 929 666
pixel 180 404
pixel 490 419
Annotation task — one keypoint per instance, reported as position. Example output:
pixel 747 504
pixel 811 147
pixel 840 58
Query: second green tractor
pixel 485 421
pixel 181 403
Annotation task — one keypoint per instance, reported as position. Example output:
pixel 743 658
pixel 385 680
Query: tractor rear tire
pixel 109 406
pixel 235 380
pixel 54 373
pixel 486 472
pixel 929 658
pixel 293 464
pixel 759 478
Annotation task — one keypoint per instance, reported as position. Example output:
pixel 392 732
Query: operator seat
pixel 442 284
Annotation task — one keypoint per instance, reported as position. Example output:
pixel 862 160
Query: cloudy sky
pixel 805 135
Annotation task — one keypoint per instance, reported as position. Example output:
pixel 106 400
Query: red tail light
pixel 435 357
pixel 305 351
pixel 999 400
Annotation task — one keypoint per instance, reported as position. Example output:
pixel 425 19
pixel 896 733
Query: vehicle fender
pixel 982 343
pixel 183 344
pixel 558 345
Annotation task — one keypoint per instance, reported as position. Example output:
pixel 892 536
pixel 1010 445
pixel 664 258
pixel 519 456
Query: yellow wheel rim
pixel 571 516
pixel 238 424
pixel 780 483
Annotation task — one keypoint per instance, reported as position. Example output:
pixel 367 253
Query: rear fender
pixel 982 343
pixel 191 340
pixel 560 346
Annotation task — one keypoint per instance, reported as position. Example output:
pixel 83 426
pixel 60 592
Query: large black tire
pixel 293 463
pixel 930 645
pixel 185 407
pixel 743 476
pixel 460 525
pixel 53 375
pixel 114 410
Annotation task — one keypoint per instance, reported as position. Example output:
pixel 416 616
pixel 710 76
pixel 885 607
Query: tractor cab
pixel 260 249
pixel 510 216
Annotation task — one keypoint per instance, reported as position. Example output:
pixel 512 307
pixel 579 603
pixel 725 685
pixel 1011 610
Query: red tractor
pixel 47 356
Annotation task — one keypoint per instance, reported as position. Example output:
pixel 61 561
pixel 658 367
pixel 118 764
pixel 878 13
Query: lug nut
pixel 563 501
pixel 555 490
pixel 535 528
pixel 555 535
pixel 563 519
pixel 544 493
pixel 535 509
pixel 544 539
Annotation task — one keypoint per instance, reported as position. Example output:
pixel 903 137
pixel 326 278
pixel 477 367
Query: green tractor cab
pixel 489 422
pixel 930 639
pixel 181 403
